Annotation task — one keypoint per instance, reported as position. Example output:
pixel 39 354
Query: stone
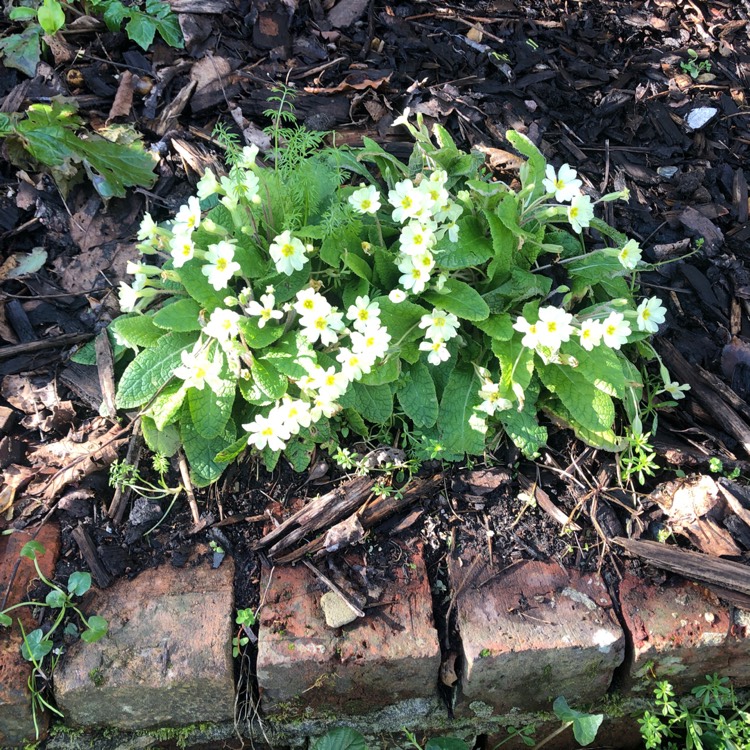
pixel 390 655
pixel 682 632
pixel 16 721
pixel 532 633
pixel 167 658
pixel 336 611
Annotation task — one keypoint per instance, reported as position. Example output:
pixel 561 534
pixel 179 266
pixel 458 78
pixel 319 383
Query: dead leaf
pixel 343 534
pixel 29 394
pixel 123 98
pixel 359 80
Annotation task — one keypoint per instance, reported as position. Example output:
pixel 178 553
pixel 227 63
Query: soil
pixel 606 87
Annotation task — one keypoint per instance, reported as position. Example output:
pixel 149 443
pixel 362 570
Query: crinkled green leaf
pixel 152 369
pixel 446 743
pixel 498 327
pixel 135 331
pixel 516 363
pixel 417 397
pixel 460 396
pixel 228 454
pixel 269 379
pixel 504 246
pixel 165 442
pixel 201 452
pixel 471 249
pixel 602 367
pixel 401 319
pixel 459 298
pixel 196 282
pixel 211 406
pixel 523 427
pixel 166 406
pixel 374 402
pixel 298 453
pixel 521 286
pixel 383 372
pixel 181 315
pixel 604 438
pixel 358 265
pixel 23 51
pixel 257 337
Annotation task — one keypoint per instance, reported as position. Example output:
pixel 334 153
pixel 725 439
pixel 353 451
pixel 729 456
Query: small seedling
pixel 694 66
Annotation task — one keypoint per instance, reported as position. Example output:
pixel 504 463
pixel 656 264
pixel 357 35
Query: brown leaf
pixel 123 98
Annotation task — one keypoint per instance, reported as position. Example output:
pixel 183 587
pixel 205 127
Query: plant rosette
pixel 285 307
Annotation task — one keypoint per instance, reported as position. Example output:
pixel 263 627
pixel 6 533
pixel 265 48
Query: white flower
pixel 366 200
pixel 310 304
pixel 248 156
pixel 264 310
pixel 424 260
pixel 266 432
pixel 288 253
pixel 292 413
pixel 438 351
pixel 396 296
pixel 630 255
pixel 128 297
pixel 197 369
pixel 182 249
pixel 355 364
pixel 188 217
pixel 580 213
pixel 414 278
pixel 477 423
pixel 530 331
pixel 329 383
pixel 564 184
pixel 675 390
pixel 221 264
pixel 148 229
pixel 322 327
pixel 554 326
pixel 435 195
pixel 491 399
pixel 651 314
pixel 364 313
pixel 439 325
pixel 239 186
pixel 373 342
pixel 222 324
pixel 416 238
pixel 590 334
pixel 323 407
pixel 407 200
pixel 615 330
pixel 208 185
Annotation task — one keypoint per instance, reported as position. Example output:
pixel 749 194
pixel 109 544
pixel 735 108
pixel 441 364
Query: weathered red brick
pixel 16 722
pixel 532 633
pixel 389 655
pixel 167 658
pixel 682 632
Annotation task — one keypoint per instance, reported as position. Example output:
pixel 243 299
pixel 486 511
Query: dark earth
pixel 608 87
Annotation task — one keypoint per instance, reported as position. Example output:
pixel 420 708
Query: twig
pixel 336 590
pixel 31 347
pixel 188 485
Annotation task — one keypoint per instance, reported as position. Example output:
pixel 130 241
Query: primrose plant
pixel 427 304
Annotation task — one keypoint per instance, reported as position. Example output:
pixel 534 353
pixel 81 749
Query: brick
pixel 167 658
pixel 390 655
pixel 681 632
pixel 533 633
pixel 16 722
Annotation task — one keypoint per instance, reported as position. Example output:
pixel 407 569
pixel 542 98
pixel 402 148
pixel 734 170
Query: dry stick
pixel 116 508
pixel 32 347
pixel 702 390
pixel 188 485
pixel 336 590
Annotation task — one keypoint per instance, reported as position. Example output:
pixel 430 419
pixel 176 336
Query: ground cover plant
pixel 426 304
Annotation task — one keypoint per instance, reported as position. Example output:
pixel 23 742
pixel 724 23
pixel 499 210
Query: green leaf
pixel 606 439
pixel 22 14
pixel 36 646
pixel 170 31
pixel 522 285
pixel 141 28
pixel 51 16
pixel 523 427
pixel 498 327
pixel 257 337
pixel 114 14
pixel 181 315
pixel 595 268
pixel 341 738
pixel 299 453
pixel 446 743
pixel 459 298
pixel 135 331
pixel 585 726
pixel 504 246
pixel 56 599
pixel 227 455
pixel 201 452
pixel 588 406
pixel 456 407
pixel 374 403
pixel 79 583
pixel 472 248
pixel 602 367
pixel 5 620
pixel 269 379
pixel 32 549
pixel 532 171
pixel 152 369
pixel 166 406
pixel 97 628
pixel 358 265
pixel 165 442
pixel 23 51
pixel 383 372
pixel 516 363
pixel 210 408
pixel 196 283
pixel 417 396
pixel 401 319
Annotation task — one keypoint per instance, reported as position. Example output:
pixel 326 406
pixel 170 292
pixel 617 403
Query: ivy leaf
pixel 417 396
pixel 201 452
pixel 585 726
pixel 456 407
pixel 114 14
pixel 170 31
pixel 165 442
pixel 459 298
pixel 141 29
pixel 23 51
pixel 152 369
pixel 446 743
pixel 181 315
pixel 472 248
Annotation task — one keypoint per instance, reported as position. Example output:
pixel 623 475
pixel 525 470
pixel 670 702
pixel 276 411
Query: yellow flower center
pixel 308 304
pixel 287 250
pixel 574 212
pixel 611 330
pixel 363 315
pixel 366 203
pixel 320 324
pixel 267 431
pixel 406 202
pixel 221 264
